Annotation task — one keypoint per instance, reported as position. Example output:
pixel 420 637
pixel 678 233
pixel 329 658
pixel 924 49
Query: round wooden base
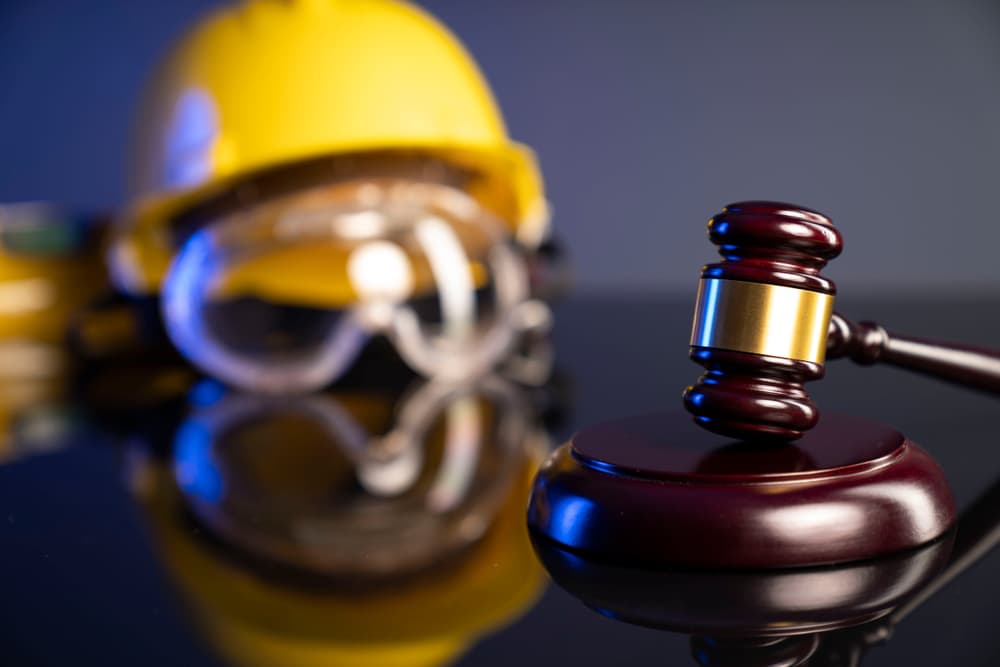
pixel 659 490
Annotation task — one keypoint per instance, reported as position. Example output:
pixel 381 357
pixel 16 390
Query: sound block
pixel 659 490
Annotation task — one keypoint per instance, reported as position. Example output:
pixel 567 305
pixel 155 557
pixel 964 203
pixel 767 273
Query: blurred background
pixel 647 118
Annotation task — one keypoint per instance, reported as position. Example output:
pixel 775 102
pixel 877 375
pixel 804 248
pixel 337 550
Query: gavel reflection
pixel 824 617
pixel 764 326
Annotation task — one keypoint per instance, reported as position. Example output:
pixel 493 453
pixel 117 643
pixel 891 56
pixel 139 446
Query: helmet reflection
pixel 359 527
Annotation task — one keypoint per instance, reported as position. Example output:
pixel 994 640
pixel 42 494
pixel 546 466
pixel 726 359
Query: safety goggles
pixel 282 297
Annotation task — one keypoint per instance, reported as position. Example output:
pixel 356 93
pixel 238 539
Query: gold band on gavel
pixel 771 320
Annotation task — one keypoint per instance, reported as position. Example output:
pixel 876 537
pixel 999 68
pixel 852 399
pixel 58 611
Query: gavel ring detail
pixel 764 324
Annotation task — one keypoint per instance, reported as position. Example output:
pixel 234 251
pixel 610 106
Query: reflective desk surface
pixel 224 530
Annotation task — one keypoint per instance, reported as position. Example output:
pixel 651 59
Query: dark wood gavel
pixel 764 324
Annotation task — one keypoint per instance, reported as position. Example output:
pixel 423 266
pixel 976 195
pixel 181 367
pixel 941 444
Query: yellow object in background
pixel 51 266
pixel 266 85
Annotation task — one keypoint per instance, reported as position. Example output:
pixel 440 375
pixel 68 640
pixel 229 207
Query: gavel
pixel 772 486
pixel 764 325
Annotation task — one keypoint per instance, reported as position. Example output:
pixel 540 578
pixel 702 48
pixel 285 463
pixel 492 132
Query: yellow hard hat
pixel 267 85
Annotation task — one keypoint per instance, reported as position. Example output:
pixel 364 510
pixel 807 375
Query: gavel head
pixel 761 321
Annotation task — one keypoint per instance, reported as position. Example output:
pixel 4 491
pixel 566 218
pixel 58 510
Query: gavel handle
pixel 868 343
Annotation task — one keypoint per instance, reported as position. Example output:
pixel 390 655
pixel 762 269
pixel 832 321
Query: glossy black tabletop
pixel 96 568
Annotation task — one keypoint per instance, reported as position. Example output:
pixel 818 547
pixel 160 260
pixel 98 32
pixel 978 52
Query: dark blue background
pixel 648 116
